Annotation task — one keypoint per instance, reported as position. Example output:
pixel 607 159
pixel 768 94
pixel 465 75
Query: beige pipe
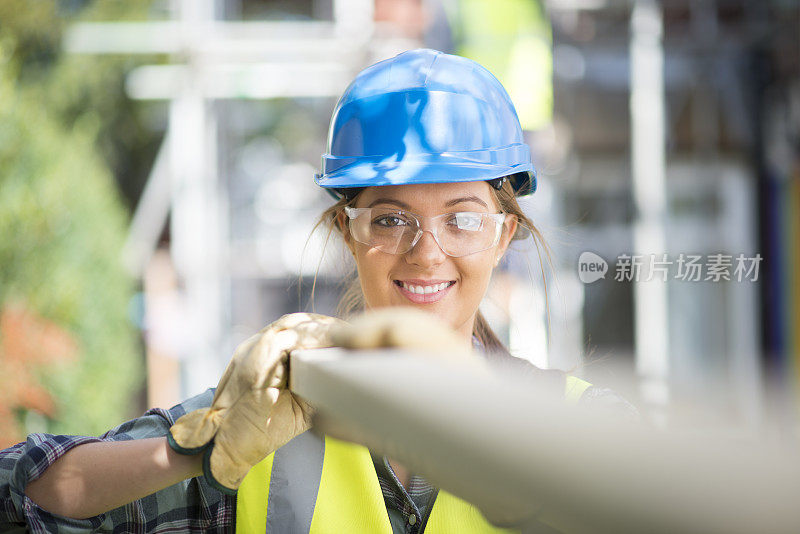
pixel 499 443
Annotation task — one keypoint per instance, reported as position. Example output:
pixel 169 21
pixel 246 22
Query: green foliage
pixel 62 220
pixel 61 229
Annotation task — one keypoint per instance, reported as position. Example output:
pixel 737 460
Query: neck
pixel 465 331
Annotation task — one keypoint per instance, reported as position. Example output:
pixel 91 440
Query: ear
pixel 509 229
pixel 341 223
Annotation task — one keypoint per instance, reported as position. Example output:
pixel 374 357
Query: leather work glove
pixel 253 413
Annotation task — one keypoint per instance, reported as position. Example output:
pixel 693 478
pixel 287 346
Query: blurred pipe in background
pixel 648 166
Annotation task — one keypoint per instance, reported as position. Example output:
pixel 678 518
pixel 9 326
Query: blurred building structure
pixel 251 84
pixel 712 55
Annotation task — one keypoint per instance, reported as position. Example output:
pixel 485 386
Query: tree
pixel 62 225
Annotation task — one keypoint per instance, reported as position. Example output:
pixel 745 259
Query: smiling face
pixel 425 277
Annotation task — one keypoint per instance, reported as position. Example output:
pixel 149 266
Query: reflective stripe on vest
pixel 316 486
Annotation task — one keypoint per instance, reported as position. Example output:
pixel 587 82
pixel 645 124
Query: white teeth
pixel 425 290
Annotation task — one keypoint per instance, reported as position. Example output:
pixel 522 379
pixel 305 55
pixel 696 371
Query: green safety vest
pixel 328 486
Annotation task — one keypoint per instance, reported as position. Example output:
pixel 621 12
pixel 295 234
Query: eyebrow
pixel 377 201
pixel 447 204
pixel 471 198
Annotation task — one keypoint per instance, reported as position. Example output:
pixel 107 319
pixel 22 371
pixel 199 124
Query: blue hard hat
pixel 425 117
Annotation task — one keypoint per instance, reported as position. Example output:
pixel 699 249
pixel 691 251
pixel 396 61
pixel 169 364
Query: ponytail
pixel 487 338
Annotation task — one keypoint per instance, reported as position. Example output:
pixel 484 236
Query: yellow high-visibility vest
pixel 328 486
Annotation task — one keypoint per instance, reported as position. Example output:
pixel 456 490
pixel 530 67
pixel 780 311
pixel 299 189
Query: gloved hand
pixel 253 413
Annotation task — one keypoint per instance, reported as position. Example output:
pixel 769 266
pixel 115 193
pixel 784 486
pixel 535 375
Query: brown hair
pixel 352 300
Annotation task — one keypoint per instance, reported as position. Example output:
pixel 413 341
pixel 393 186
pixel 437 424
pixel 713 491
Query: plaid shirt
pixel 192 505
pixel 406 507
pixel 189 506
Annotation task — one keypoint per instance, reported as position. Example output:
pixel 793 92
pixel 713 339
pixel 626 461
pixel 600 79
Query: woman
pixel 426 157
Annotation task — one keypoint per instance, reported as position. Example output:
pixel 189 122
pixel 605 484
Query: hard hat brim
pixel 380 173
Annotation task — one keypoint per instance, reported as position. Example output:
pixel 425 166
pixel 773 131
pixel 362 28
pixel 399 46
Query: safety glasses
pixel 396 232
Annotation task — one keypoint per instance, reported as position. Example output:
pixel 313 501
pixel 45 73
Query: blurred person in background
pixel 426 158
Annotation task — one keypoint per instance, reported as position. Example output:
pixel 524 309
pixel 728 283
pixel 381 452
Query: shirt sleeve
pixel 189 506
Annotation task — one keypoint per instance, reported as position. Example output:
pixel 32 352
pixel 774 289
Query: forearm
pixel 97 477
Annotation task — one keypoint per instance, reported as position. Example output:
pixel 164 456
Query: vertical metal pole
pixel 741 315
pixel 649 196
pixel 195 224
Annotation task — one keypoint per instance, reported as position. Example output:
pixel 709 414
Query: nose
pixel 426 252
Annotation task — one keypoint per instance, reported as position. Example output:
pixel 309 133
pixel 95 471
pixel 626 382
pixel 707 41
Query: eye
pixel 466 221
pixel 390 220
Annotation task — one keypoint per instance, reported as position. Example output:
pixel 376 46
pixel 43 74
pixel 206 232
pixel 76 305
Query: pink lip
pixel 424 298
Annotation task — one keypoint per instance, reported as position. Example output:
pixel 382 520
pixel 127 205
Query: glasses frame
pixel 499 218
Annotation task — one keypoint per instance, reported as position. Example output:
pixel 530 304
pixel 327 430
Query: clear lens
pixel 396 232
pixel 468 221
pixel 390 230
